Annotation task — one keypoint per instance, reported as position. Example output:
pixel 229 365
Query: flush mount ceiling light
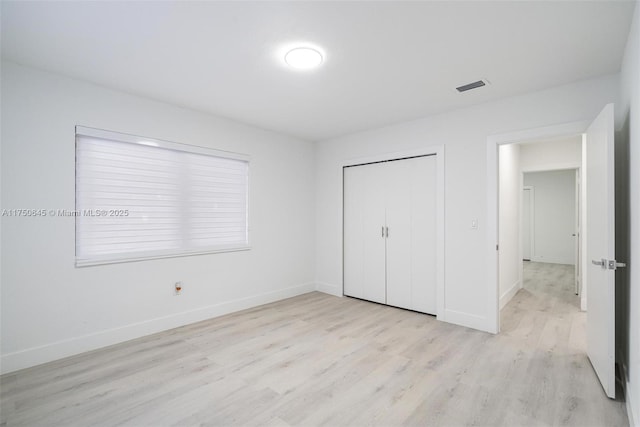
pixel 303 58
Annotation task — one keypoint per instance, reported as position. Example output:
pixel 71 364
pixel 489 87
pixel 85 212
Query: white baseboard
pixel 465 319
pixel 550 261
pixel 46 353
pixel 450 316
pixel 328 288
pixel 510 293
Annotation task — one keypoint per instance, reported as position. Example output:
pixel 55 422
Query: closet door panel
pixel 353 247
pixel 364 245
pixel 390 233
pixel 398 209
pixel 373 242
pixel 423 235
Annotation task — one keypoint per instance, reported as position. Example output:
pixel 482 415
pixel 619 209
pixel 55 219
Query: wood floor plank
pixel 321 360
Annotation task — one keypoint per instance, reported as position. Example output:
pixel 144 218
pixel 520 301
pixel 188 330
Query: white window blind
pixel 139 198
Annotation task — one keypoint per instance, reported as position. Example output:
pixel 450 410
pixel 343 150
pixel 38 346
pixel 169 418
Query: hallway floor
pixel 546 315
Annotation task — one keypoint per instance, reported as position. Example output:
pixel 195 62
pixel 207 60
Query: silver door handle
pixel 602 263
pixel 383 231
pixel 387 228
pixel 613 264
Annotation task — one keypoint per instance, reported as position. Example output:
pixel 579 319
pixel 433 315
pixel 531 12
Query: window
pixel 140 198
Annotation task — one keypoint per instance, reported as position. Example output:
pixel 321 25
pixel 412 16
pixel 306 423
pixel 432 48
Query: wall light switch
pixel 474 224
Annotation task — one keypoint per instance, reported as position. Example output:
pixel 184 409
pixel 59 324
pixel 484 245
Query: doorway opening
pixel 597 237
pixel 538 226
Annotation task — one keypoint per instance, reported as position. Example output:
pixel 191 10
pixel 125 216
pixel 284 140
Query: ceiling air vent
pixel 470 86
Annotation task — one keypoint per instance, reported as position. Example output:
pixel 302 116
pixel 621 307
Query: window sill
pixel 151 256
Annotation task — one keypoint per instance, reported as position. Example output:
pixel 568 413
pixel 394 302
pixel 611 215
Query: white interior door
pixel 600 243
pixel 411 241
pixel 526 224
pixel 364 242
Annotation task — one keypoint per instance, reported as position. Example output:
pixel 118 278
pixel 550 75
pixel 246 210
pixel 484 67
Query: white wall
pixel 51 309
pixel 553 215
pixel 464 134
pixel 556 154
pixel 509 189
pixel 630 107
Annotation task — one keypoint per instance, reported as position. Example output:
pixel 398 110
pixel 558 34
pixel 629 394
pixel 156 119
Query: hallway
pixel 545 314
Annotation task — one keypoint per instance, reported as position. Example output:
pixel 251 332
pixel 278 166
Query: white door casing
pixel 527 223
pixel 577 235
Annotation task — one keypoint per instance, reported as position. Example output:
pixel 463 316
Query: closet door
pixel 364 243
pixel 411 241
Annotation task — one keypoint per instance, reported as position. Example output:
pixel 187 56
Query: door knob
pixel 602 263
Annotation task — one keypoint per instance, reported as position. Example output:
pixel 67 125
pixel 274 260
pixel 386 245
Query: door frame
pixel 577 168
pixel 438 151
pixel 532 201
pixel 493 144
pixel 578 234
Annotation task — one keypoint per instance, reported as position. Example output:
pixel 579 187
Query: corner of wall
pixel 630 106
pixel 509 293
pixel 328 288
pixel 481 323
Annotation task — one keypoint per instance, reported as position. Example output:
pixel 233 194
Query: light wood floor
pixel 321 360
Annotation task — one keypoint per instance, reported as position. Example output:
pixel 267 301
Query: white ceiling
pixel 386 62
